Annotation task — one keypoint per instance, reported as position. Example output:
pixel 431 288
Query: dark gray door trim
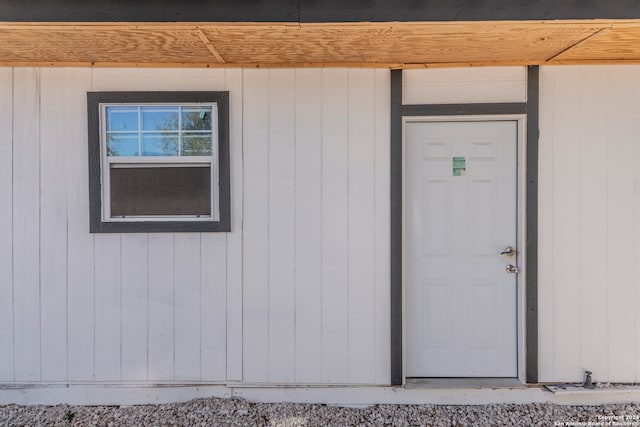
pixel 398 111
pixel 396 227
pixel 531 221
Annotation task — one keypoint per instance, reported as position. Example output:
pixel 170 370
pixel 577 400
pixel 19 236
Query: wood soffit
pixel 386 45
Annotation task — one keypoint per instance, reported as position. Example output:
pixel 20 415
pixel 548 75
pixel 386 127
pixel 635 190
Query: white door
pixel 461 213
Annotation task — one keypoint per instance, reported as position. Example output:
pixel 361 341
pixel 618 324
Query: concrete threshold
pixel 462 383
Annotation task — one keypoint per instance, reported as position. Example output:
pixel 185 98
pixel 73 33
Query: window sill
pixel 159 226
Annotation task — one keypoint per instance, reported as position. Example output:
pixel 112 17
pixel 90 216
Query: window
pixel 158 161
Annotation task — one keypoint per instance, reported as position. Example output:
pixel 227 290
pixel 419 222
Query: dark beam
pixel 396 227
pixel 465 10
pixel 149 11
pixel 312 10
pixel 464 109
pixel 531 280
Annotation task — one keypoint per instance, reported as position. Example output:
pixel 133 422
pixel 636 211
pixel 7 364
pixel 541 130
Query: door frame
pixel 530 109
pixel 520 120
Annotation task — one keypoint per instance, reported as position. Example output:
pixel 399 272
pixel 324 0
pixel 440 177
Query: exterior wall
pixel 298 291
pixel 589 241
pixel 589 230
pixel 300 284
pixel 316 226
pixel 464 85
pixel 102 307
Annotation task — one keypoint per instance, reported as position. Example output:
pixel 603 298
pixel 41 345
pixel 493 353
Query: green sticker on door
pixel 459 166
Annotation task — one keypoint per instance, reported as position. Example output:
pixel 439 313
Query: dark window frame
pixel 96 223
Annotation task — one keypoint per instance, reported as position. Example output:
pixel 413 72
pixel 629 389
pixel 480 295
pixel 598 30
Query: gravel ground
pixel 238 412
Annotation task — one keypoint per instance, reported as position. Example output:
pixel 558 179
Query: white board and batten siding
pixel 589 223
pixel 315 234
pixel 464 85
pixel 296 293
pixel 81 307
pixel 7 368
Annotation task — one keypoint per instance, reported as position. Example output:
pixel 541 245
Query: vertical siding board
pixel 160 339
pixel 601 298
pixel 213 306
pixel 53 226
pixel 593 221
pixel 134 307
pixel 281 225
pixel 636 155
pixel 382 224
pixel 233 83
pixel 361 227
pixel 546 311
pixel 80 265
pixel 308 231
pixel 108 307
pixel 335 226
pixel 621 217
pixel 6 223
pixel 566 223
pixel 26 223
pixel 256 227
pixel 187 307
pixel 157 79
pixel 465 85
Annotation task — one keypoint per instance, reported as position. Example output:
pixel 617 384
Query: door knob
pixel 508 251
pixel 512 269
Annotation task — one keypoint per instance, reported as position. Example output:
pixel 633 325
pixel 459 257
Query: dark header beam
pixel 149 11
pixel 308 11
pixel 465 10
pixel 464 109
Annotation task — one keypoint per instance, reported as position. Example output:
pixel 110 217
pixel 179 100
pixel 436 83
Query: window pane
pixel 160 118
pixel 122 144
pixel 122 118
pixel 159 191
pixel 196 118
pixel 160 144
pixel 196 144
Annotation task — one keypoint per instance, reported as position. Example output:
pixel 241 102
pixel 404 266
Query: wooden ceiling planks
pixel 409 45
pixel 210 46
pixel 89 44
pixel 612 44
